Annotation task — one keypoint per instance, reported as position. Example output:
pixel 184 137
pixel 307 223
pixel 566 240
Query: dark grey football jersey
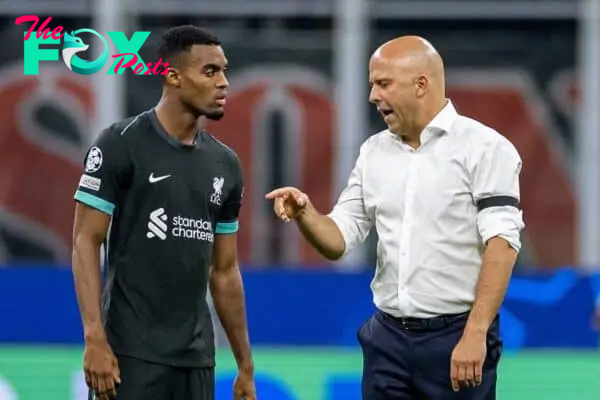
pixel 167 202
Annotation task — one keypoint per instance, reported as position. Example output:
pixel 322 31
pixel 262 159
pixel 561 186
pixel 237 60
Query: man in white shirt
pixel 442 191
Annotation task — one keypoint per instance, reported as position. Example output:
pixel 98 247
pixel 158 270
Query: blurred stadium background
pixel 297 114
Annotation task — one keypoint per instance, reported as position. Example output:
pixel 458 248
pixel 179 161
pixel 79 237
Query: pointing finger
pixel 276 193
pixel 281 192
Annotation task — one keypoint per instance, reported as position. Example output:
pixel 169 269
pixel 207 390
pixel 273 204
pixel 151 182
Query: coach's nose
pixel 374 95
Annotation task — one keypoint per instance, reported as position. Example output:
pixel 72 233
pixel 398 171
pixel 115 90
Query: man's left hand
pixel 243 387
pixel 466 368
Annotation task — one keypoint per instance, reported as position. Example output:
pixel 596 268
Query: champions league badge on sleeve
pixel 94 160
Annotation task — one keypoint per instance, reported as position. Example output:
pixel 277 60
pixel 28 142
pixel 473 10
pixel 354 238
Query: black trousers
pixel 145 381
pixel 410 358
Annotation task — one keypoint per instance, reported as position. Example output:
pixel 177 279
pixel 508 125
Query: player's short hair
pixel 180 39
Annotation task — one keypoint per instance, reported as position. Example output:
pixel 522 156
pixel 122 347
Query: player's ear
pixel 173 77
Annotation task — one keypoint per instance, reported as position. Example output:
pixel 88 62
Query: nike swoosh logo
pixel 154 179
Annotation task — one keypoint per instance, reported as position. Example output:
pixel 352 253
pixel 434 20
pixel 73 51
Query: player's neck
pixel 184 127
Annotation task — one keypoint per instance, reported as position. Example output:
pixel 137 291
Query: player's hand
pixel 243 387
pixel 288 202
pixel 466 364
pixel 101 369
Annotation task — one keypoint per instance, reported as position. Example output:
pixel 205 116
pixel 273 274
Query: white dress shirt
pixel 433 208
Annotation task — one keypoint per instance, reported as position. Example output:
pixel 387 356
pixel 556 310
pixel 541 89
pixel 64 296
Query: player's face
pixel 203 81
pixel 394 92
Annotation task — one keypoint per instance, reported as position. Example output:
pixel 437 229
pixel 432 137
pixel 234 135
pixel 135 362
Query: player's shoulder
pixel 220 149
pixel 121 129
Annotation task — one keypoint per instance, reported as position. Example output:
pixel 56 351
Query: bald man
pixel 442 191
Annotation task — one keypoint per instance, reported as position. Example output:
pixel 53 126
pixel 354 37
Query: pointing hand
pixel 289 202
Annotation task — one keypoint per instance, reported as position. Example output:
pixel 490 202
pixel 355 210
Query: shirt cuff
pixel 227 227
pixel 345 227
pixel 95 202
pixel 504 222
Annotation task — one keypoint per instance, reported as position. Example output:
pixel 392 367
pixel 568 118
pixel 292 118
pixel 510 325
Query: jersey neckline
pixel 170 139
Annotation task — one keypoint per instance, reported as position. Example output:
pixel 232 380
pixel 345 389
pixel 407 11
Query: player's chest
pixel 182 181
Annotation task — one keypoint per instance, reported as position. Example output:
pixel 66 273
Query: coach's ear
pixel 421 86
pixel 173 77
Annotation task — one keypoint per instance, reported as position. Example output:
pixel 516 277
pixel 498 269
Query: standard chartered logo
pixel 180 227
pixel 157 225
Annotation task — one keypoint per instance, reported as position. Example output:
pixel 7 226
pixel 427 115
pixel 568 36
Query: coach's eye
pixel 210 73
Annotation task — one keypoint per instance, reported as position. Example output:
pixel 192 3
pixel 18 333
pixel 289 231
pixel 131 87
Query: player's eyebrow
pixel 215 67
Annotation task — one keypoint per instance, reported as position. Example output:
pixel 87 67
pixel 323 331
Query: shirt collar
pixel 444 120
pixel 440 124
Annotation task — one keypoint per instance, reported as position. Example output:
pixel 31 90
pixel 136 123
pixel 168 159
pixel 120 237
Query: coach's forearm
pixel 227 291
pixel 88 286
pixel 322 233
pixel 498 263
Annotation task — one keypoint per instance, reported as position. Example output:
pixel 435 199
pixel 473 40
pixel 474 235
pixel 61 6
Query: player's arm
pixel 345 227
pixel 226 284
pixel 495 183
pixel 89 232
pixel 96 196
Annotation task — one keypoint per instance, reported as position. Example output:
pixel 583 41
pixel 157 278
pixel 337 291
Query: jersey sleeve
pixel 104 169
pixel 228 223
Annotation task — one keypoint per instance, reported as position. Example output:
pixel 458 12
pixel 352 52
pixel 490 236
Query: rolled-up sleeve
pixel 349 213
pixel 495 185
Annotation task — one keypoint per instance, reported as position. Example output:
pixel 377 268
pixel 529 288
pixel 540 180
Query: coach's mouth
pixel 384 111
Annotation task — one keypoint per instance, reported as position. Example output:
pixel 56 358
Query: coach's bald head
pixel 408 85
